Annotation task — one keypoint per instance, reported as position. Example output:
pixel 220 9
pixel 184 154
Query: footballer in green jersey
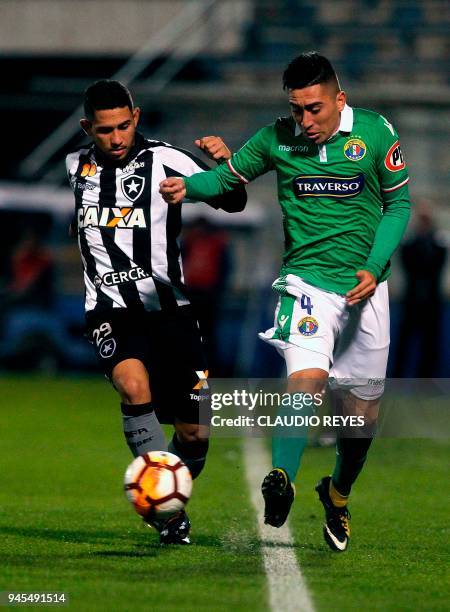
pixel 342 187
pixel 333 195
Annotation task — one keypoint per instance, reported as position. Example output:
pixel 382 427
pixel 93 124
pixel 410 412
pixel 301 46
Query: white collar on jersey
pixel 345 125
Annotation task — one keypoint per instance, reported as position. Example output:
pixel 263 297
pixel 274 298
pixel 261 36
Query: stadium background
pixel 195 68
pixel 200 68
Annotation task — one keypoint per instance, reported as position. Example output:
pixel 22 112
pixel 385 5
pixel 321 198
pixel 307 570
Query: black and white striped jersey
pixel 127 233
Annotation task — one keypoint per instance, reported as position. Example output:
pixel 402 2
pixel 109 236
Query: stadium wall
pixel 65 27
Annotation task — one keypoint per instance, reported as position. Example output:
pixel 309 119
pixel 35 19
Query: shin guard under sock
pixel 142 429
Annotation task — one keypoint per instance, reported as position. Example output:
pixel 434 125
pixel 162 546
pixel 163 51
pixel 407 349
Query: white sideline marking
pixel 287 587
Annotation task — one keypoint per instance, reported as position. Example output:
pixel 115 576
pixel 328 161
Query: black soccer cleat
pixel 336 529
pixel 278 493
pixel 174 530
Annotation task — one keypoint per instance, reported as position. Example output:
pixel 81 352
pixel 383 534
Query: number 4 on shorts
pixel 306 304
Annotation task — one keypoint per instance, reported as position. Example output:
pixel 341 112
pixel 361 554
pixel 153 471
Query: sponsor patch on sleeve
pixel 394 160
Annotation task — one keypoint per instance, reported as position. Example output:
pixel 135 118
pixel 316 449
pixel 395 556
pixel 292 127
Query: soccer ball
pixel 158 484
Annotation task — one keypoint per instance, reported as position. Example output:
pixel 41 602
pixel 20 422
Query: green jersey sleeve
pixel 252 160
pixel 391 165
pixel 389 233
pixel 393 177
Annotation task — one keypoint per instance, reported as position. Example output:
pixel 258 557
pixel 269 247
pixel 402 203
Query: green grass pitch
pixel 65 524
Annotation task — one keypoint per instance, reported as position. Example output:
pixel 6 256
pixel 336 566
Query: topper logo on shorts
pixel 92 216
pixel 333 186
pixel 394 158
pixel 110 279
pixel 308 326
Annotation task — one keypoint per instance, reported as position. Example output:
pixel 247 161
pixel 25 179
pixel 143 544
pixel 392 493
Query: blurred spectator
pixel 29 331
pixel 32 271
pixel 206 264
pixel 423 259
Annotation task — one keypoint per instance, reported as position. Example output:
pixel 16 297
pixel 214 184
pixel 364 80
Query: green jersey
pixel 345 202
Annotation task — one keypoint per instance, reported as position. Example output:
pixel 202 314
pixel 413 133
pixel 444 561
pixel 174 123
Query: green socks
pixel 289 440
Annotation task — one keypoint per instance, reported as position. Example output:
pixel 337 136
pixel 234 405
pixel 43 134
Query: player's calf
pixel 191 444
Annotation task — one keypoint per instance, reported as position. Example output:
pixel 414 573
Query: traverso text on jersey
pixel 336 186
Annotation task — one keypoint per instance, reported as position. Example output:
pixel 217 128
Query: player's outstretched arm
pixel 223 187
pixel 173 189
pixel 230 201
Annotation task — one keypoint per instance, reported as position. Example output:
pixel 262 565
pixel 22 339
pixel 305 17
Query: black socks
pixel 193 454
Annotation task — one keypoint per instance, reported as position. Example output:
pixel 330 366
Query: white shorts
pixel 314 328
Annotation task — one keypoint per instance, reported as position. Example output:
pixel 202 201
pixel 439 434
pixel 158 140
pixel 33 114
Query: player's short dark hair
pixel 308 69
pixel 105 94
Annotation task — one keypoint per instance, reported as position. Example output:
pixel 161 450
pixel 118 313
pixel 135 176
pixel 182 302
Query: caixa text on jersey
pixel 92 216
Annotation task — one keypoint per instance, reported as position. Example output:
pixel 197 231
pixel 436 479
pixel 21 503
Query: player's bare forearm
pixel 214 147
pixel 172 190
pixel 364 289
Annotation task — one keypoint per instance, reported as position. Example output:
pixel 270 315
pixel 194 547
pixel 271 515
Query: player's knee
pixel 312 380
pixel 370 420
pixel 133 389
pixel 369 410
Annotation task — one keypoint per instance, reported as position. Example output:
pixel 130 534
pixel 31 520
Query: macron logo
pixel 293 148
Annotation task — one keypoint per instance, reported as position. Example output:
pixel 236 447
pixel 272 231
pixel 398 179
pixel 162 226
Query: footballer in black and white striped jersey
pixel 128 235
pixel 137 311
